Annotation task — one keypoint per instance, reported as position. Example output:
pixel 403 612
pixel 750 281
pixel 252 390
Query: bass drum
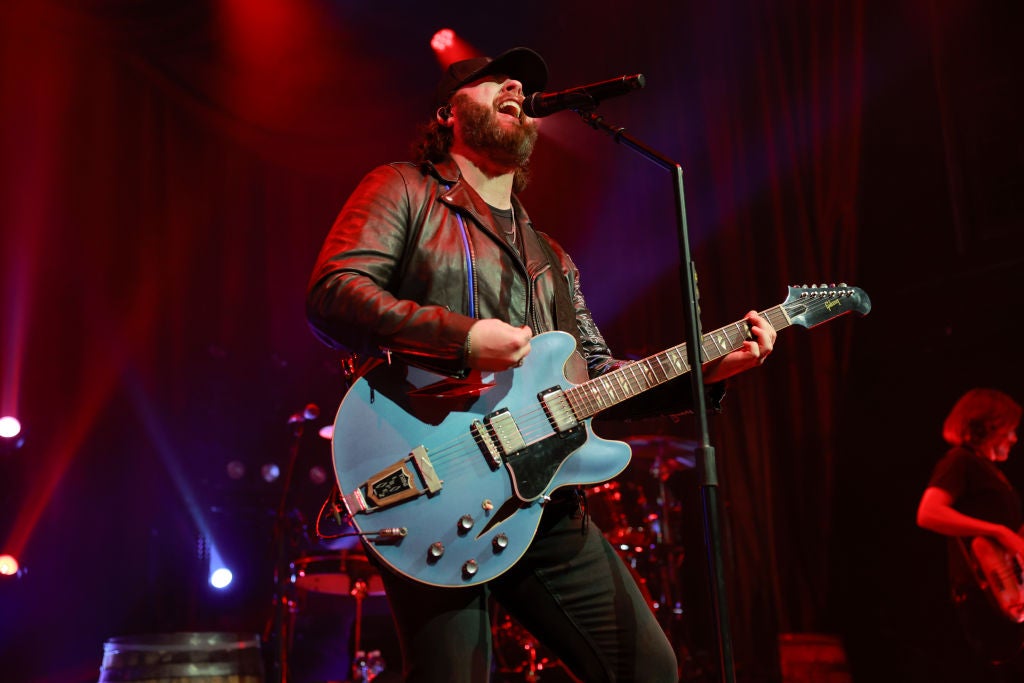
pixel 336 573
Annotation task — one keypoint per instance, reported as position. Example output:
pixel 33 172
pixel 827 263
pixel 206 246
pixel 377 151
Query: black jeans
pixel 570 589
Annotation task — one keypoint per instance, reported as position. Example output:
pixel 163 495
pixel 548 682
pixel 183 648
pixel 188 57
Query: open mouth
pixel 510 108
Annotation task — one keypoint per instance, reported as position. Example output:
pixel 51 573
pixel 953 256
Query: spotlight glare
pixel 270 472
pixel 9 427
pixel 221 578
pixel 8 565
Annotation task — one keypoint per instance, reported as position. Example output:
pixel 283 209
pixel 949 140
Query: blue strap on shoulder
pixel 469 264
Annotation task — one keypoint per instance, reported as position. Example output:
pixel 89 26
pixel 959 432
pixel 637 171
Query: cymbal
pixel 661 443
pixel 679 452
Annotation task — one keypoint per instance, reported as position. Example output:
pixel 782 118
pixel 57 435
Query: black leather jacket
pixel 414 258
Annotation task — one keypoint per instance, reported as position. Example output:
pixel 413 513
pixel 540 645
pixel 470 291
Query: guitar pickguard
pixel 533 467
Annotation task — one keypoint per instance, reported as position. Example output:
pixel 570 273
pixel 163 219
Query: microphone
pixel 581 97
pixel 310 412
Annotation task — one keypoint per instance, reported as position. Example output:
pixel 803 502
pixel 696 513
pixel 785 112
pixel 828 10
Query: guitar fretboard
pixel 630 380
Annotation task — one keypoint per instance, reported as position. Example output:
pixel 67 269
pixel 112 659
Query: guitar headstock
pixel 811 305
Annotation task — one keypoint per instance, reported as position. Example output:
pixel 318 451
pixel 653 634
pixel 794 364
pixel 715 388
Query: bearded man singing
pixel 435 264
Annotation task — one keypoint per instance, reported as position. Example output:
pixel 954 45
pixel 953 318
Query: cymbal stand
pixel 670 555
pixel 366 666
pixel 280 626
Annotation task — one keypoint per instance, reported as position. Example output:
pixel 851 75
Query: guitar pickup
pixel 497 436
pixel 502 426
pixel 486 443
pixel 558 410
pixel 410 477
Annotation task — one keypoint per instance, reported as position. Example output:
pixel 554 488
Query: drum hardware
pixel 518 656
pixel 343 626
pixel 659 567
pixel 649 446
pixel 366 665
pixel 278 630
pixel 620 511
pixel 304 568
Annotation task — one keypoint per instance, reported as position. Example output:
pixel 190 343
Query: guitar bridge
pixel 410 477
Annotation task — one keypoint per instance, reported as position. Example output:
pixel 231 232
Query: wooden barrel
pixel 183 658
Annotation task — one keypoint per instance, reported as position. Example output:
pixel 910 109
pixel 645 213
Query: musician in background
pixel 393 280
pixel 967 497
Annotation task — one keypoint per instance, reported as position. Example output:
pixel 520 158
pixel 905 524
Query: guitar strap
pixel 565 312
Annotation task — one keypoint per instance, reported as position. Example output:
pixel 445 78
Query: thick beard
pixel 509 148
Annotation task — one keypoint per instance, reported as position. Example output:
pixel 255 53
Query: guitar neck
pixel 612 388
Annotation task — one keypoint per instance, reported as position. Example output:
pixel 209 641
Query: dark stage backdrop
pixel 169 169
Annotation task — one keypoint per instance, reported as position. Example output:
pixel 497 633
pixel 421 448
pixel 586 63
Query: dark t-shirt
pixel 979 489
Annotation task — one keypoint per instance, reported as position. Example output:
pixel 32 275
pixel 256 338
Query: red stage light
pixel 442 40
pixel 449 47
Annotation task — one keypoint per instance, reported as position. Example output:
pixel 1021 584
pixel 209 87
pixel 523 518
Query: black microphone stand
pixel 707 468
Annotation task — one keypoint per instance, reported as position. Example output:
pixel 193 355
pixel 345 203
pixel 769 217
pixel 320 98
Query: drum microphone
pixel 581 97
pixel 310 412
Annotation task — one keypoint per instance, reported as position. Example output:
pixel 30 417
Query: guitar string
pixel 532 428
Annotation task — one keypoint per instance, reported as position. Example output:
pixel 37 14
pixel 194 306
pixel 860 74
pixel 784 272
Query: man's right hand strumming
pixel 496 345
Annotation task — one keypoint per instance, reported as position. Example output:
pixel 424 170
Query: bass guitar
pixel 446 478
pixel 1000 575
pixel 990 604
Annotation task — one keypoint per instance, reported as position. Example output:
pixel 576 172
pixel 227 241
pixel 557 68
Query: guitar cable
pixel 336 509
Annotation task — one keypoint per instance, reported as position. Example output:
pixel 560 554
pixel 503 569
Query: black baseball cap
pixel 520 63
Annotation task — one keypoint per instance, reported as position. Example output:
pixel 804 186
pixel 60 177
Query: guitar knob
pixel 465 523
pixel 436 551
pixel 487 505
pixel 500 542
pixel 470 568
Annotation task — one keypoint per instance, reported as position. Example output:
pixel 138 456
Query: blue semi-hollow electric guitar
pixel 446 479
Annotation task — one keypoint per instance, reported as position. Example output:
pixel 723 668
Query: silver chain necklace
pixel 511 236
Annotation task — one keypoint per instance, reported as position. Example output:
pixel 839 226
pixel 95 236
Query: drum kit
pixel 331 591
pixel 330 621
pixel 340 623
